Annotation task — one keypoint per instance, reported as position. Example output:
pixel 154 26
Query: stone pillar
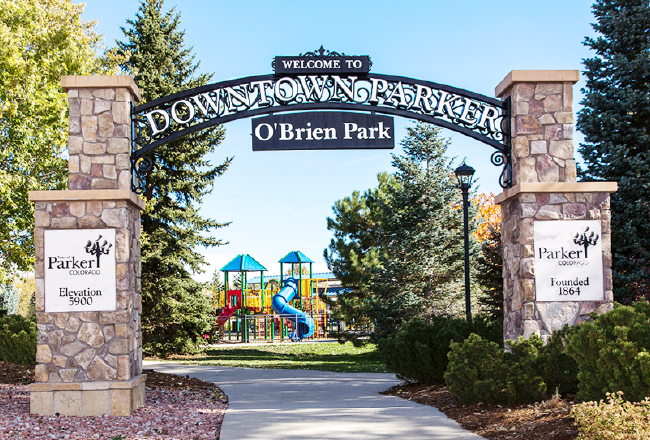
pixel 90 363
pixel 99 139
pixel 545 189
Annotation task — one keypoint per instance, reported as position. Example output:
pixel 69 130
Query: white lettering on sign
pixel 445 105
pixel 568 261
pixel 288 132
pixel 79 267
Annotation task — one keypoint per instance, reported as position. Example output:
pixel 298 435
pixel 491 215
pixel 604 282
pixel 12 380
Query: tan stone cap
pixel 86 386
pixel 88 195
pixel 536 76
pixel 561 187
pixel 101 82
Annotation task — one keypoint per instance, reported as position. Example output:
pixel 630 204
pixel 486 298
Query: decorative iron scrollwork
pixel 166 119
pixel 322 53
pixel 140 167
pixel 501 159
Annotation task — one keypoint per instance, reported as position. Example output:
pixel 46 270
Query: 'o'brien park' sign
pixel 79 270
pixel 322 131
pixel 568 261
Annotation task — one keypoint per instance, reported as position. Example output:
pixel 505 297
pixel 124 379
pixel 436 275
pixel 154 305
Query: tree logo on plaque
pixel 585 239
pixel 97 250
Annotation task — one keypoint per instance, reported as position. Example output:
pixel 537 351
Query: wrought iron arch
pixel 171 117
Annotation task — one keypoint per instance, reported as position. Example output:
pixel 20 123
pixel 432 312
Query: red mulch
pixel 176 407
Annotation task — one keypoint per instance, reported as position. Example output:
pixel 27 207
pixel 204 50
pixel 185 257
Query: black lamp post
pixel 464 173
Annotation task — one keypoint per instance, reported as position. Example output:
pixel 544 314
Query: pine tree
pixel 353 252
pixel 175 312
pixel 421 236
pixel 616 123
pixel 489 272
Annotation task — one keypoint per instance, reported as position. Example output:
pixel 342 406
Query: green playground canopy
pixel 242 263
pixel 295 257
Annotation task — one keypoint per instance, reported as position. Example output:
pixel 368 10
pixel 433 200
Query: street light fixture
pixel 464 174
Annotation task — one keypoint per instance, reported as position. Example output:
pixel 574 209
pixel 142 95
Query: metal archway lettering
pixel 172 117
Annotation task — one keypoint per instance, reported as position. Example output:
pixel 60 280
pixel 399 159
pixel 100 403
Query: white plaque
pixel 568 261
pixel 79 269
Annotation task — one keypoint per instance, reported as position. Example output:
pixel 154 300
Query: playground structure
pixel 288 309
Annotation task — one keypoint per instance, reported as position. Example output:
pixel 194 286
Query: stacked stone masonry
pixel 523 316
pixel 88 398
pixel 90 363
pixel 91 346
pixel 99 144
pixel 542 141
pixel 542 123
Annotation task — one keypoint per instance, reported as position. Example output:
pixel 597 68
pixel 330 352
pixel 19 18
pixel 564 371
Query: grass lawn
pixel 324 356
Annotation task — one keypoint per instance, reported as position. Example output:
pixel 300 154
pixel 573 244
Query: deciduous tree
pixel 40 40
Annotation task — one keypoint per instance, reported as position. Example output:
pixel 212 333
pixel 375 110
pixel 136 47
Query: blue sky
pixel 278 201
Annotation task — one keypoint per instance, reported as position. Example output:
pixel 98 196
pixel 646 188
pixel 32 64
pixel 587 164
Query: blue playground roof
pixel 242 263
pixel 295 257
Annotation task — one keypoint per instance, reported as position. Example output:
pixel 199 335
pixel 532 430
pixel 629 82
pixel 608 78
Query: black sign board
pixel 323 131
pixel 333 65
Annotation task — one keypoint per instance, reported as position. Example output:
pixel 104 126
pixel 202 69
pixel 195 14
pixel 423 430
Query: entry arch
pixel 171 117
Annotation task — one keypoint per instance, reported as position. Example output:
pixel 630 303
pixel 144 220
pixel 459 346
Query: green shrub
pixel 481 371
pixel 418 352
pixel 476 372
pixel 615 420
pixel 557 367
pixel 18 340
pixel 612 353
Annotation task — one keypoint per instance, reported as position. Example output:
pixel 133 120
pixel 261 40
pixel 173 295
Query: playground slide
pixel 226 313
pixel 303 323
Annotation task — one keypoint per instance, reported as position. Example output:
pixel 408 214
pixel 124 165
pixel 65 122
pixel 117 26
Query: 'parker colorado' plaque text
pixel 79 268
pixel 568 261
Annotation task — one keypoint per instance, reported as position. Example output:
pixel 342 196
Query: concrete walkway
pixel 317 405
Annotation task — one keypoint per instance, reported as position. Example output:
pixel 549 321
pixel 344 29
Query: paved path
pixel 317 405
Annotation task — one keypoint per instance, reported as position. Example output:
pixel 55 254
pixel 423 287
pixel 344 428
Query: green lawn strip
pixel 309 356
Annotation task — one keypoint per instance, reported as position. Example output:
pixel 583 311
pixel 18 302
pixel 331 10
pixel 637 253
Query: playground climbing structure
pixel 290 308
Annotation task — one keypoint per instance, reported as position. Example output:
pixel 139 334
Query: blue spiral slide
pixel 303 324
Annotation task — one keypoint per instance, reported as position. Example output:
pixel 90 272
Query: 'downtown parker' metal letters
pixel 166 119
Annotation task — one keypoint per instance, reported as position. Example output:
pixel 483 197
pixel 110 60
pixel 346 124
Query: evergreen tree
pixel 175 312
pixel 9 299
pixel 616 123
pixel 489 272
pixel 353 252
pixel 398 248
pixel 421 236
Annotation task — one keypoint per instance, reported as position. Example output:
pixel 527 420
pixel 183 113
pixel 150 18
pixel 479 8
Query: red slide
pixel 226 313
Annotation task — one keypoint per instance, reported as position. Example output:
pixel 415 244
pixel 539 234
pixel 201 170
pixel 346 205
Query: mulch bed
pixel 177 407
pixel 194 410
pixel 515 422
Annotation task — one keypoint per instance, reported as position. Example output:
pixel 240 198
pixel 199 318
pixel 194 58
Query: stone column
pixel 545 189
pixel 90 363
